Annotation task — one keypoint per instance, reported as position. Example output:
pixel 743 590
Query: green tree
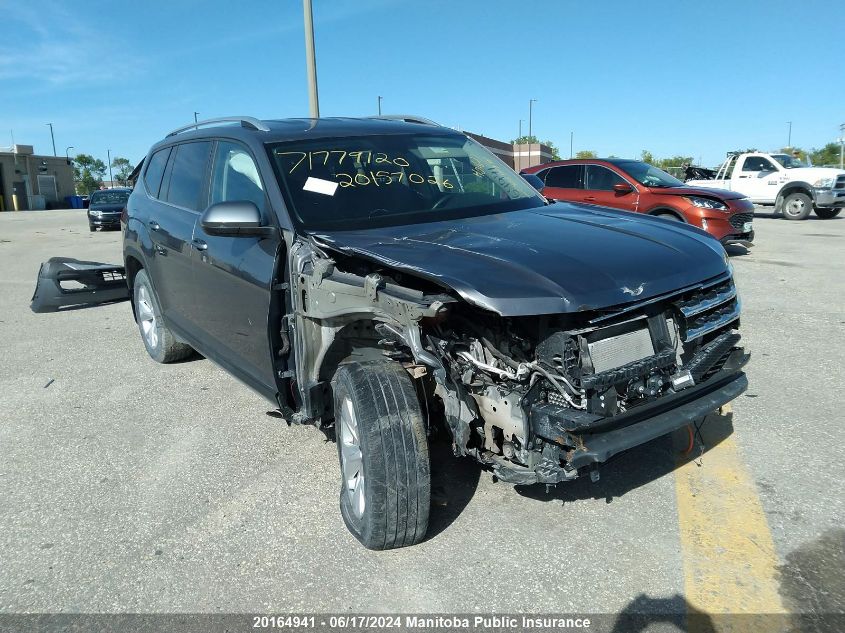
pixel 647 157
pixel 525 139
pixel 674 161
pixel 586 153
pixel 88 173
pixel 827 155
pixel 124 168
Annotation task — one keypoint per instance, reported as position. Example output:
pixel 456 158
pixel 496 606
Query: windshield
pixel 648 175
pixel 387 180
pixel 109 197
pixel 788 161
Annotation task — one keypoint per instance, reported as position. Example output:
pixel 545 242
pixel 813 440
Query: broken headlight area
pixel 531 396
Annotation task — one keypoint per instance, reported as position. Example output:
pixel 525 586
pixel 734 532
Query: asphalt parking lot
pixel 127 486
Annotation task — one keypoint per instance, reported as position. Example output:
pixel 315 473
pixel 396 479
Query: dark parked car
pixel 105 207
pixel 632 185
pixel 392 278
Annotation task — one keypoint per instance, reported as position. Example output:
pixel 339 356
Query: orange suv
pixel 631 185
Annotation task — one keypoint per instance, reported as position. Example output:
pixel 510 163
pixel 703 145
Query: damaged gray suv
pixel 391 277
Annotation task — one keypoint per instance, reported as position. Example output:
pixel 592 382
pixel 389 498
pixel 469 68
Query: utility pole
pixel 53 138
pixel 111 178
pixel 571 138
pixel 841 146
pixel 195 116
pixel 311 61
pixel 379 105
pixel 789 139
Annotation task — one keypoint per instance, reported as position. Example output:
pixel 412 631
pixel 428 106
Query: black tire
pixel 394 457
pixel 796 206
pixel 827 213
pixel 92 228
pixel 161 344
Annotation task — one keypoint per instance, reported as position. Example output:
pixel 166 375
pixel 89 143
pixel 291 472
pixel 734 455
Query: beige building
pixel 28 181
pixel 517 156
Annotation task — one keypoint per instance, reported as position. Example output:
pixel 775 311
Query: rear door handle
pixel 199 244
pixel 591 198
pixel 154 226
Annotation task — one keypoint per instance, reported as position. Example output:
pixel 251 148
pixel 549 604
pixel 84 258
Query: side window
pixel 235 176
pixel 155 170
pixel 565 177
pixel 601 178
pixel 187 174
pixel 758 163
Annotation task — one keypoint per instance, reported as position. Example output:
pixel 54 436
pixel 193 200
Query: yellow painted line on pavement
pixel 730 563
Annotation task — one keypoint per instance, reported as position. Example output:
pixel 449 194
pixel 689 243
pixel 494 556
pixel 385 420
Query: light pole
pixel 311 61
pixel 195 116
pixel 789 138
pixel 571 138
pixel 379 105
pixel 531 103
pixel 111 178
pixel 53 138
pixel 67 153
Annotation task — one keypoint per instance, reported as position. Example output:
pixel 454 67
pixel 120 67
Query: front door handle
pixel 199 244
pixel 590 198
pixel 154 226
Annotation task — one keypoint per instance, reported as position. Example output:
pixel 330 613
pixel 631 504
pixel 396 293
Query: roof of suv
pixel 299 129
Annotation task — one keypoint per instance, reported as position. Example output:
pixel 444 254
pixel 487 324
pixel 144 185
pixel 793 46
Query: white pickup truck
pixel 782 181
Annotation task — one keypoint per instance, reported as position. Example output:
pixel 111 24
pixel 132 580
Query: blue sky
pixel 679 77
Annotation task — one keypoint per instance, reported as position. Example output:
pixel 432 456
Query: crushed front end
pixel 543 399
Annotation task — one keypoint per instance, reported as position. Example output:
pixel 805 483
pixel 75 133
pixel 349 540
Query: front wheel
pixel 797 206
pixel 92 228
pixel 160 342
pixel 827 213
pixel 383 451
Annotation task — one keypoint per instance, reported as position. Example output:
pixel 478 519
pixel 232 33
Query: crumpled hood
pixel 554 259
pixel 720 194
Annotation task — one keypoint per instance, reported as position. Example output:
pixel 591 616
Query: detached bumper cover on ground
pixel 64 282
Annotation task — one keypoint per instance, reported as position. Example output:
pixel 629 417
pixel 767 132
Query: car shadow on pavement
pixel 643 612
pixel 737 250
pixel 640 465
pixel 453 484
pixel 454 480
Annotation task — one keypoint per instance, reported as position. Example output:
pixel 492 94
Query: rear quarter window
pixel 155 170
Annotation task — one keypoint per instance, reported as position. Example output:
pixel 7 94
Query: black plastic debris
pixel 64 282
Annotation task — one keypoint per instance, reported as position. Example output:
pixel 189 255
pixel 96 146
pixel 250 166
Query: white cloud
pixel 45 43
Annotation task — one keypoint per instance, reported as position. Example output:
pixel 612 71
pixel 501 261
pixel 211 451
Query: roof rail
pixel 408 118
pixel 245 121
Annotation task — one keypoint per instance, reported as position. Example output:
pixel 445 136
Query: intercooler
pixel 615 351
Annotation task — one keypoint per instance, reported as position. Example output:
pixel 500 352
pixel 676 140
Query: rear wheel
pixel 160 342
pixel 383 451
pixel 797 206
pixel 826 213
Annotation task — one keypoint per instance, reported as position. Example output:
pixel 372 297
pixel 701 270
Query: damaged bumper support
pixel 586 440
pixel 64 282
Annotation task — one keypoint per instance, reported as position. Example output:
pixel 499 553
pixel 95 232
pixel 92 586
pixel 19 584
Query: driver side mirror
pixel 238 218
pixel 622 188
